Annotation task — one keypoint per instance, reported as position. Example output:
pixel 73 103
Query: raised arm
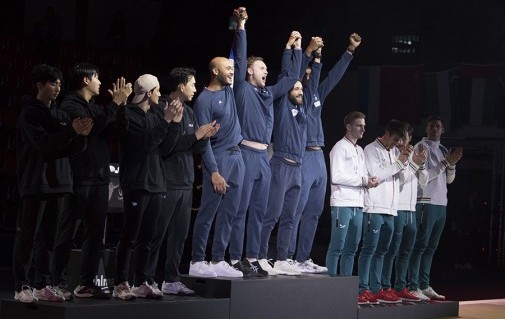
pixel 288 77
pixel 239 47
pixel 338 70
pixel 292 57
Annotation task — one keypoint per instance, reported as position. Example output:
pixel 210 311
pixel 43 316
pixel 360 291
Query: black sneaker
pixel 246 271
pixel 256 267
pixel 93 292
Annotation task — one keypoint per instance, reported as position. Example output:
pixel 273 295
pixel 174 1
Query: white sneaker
pixel 223 269
pixel 47 294
pixel 145 291
pixel 285 268
pixel 156 291
pixel 419 294
pixel 25 295
pixel 301 267
pixel 176 288
pixel 265 265
pixel 432 294
pixel 62 291
pixel 297 266
pixel 201 269
pixel 310 267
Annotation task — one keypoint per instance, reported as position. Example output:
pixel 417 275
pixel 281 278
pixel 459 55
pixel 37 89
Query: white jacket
pixel 440 173
pixel 384 164
pixel 410 179
pixel 348 174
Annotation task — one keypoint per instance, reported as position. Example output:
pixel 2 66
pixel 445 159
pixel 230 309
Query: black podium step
pixel 294 297
pixel 411 310
pixel 169 307
pixel 305 296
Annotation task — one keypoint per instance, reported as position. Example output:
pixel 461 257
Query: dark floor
pixel 472 284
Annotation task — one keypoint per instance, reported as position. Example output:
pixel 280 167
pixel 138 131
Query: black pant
pixel 89 203
pixel 35 228
pixel 173 223
pixel 141 213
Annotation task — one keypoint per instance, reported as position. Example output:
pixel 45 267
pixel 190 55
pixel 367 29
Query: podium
pixel 305 296
pixel 294 297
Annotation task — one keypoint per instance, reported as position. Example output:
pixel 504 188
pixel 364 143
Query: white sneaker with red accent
pixel 48 293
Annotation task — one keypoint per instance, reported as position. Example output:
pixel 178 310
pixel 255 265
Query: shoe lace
pixel 26 287
pixel 52 289
pixel 311 263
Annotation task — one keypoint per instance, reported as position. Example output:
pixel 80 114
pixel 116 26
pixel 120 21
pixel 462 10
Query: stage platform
pixel 410 310
pixel 168 307
pixel 305 296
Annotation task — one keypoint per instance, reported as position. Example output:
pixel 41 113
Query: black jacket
pixel 179 165
pixel 45 140
pixel 143 136
pixel 92 166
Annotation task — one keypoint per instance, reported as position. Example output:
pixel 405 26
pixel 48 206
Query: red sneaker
pixel 362 299
pixel 370 297
pixel 387 296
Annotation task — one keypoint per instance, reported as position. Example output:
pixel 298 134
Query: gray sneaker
pixel 176 288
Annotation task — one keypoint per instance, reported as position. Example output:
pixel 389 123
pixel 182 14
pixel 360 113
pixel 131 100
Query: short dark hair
pixel 80 71
pixel 396 127
pixel 434 118
pixel 178 76
pixel 46 73
pixel 353 115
